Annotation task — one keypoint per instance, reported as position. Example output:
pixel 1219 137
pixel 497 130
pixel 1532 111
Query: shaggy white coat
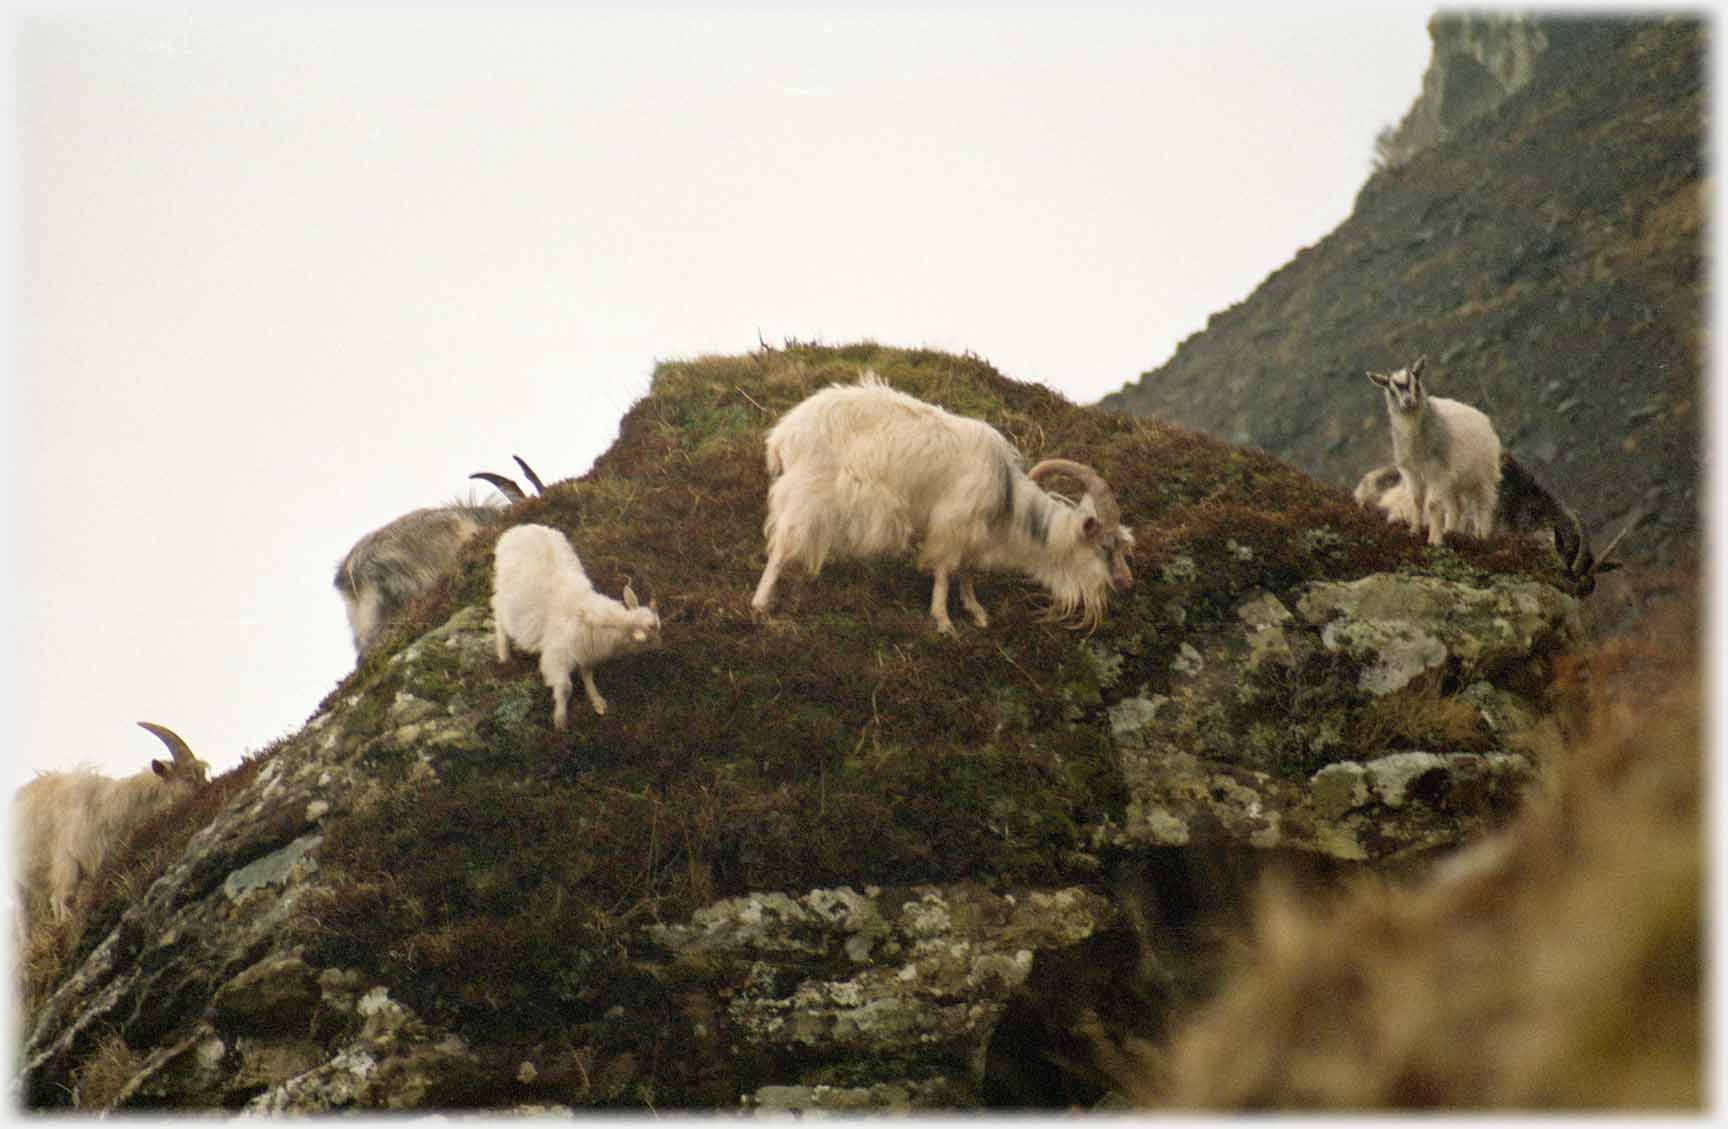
pixel 865 470
pixel 67 824
pixel 544 603
pixel 1448 453
pixel 394 563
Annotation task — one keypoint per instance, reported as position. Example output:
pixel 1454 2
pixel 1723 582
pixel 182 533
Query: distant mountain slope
pixel 1546 256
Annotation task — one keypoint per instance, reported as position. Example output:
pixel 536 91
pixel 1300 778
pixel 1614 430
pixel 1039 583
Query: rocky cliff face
pixel 828 862
pixel 1538 236
pixel 1478 62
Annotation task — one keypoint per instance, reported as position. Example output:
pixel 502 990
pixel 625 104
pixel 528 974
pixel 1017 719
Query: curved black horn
pixel 1602 559
pixel 533 479
pixel 505 486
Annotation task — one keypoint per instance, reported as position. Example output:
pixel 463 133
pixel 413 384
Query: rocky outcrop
pixel 1224 753
pixel 1479 61
pixel 830 862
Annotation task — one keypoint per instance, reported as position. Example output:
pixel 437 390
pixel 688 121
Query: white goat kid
pixel 69 823
pixel 543 601
pixel 1448 453
pixel 864 470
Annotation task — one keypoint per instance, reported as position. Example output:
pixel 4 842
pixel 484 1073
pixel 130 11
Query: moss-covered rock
pixel 808 861
pixel 1265 724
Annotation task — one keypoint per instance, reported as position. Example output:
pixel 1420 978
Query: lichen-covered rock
pixel 830 1101
pixel 392 1061
pixel 1282 729
pixel 1400 627
pixel 900 987
pixel 276 994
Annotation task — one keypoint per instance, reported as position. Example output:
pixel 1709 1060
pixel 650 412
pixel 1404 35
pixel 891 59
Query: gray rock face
pixel 1210 760
pixel 908 982
pixel 1479 61
pixel 1403 626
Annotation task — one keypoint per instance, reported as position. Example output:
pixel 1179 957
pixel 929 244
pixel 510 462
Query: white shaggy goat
pixel 543 602
pixel 390 566
pixel 68 823
pixel 864 470
pixel 1448 453
pixel 1522 505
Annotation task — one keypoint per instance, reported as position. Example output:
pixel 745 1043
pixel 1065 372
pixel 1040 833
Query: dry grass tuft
pixel 102 1076
pixel 1421 716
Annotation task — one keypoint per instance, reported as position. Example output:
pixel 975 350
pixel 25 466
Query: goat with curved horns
pixel 69 823
pixel 865 470
pixel 396 562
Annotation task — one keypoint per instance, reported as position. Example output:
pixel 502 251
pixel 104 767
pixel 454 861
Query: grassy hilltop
pixel 497 875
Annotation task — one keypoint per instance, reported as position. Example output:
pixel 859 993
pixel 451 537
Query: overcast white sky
pixel 280 278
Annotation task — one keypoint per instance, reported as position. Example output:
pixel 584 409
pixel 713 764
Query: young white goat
pixel 390 566
pixel 1448 453
pixel 68 823
pixel 863 470
pixel 1522 505
pixel 543 602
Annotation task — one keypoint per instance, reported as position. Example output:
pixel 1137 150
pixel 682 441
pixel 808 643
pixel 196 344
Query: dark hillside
pixel 1547 256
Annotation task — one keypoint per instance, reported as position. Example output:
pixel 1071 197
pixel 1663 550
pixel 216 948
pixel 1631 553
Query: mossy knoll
pixel 842 742
pixel 891 799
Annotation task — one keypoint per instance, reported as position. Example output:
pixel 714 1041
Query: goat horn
pixel 1103 498
pixel 533 479
pixel 182 751
pixel 506 486
pixel 1637 520
pixel 1581 542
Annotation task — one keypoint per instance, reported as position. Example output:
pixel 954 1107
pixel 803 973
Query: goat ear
pixel 1379 378
pixel 161 768
pixel 630 597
